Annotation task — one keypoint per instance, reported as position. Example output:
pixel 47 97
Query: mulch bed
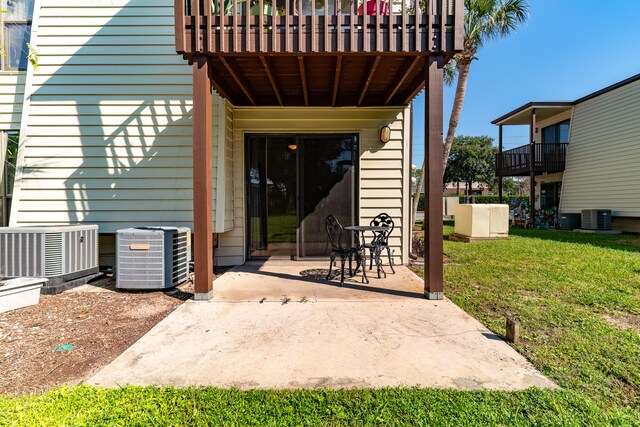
pixel 99 321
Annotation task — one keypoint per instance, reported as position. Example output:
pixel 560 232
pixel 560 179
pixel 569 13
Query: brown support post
pixel 532 169
pixel 433 151
pixel 202 179
pixel 499 164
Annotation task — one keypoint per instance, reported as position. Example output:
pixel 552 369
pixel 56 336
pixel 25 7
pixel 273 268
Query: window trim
pixel 4 58
pixel 557 131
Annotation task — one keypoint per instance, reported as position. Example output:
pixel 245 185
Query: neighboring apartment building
pixel 587 152
pixel 107 119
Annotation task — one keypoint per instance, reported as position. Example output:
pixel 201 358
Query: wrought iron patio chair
pixel 380 242
pixel 334 234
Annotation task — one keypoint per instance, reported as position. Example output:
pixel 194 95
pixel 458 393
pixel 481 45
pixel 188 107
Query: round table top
pixel 366 228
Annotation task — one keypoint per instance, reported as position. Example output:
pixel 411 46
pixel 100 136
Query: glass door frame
pixel 298 137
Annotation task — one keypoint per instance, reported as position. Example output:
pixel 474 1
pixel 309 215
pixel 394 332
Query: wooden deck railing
pixel 318 26
pixel 547 158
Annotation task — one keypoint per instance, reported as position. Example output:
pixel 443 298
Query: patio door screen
pixel 293 183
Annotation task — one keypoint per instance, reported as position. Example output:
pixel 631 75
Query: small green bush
pixel 478 199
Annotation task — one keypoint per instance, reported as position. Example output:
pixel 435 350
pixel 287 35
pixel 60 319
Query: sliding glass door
pixel 293 183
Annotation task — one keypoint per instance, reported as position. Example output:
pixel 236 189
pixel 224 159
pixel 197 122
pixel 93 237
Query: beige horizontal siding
pixel 383 174
pixel 11 98
pixel 108 128
pixel 603 161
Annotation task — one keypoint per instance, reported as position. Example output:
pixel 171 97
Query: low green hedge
pixel 478 199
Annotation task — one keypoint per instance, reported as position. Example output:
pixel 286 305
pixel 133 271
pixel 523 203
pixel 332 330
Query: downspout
pixel 3 177
pixel 412 213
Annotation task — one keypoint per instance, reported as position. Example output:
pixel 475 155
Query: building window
pixel 556 134
pixel 16 32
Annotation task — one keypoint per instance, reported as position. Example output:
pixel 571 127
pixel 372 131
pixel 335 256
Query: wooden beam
pixel 442 13
pixel 433 150
pixel 458 28
pixel 178 16
pixel 303 77
pixel 238 77
pixel 202 179
pixel 418 83
pixel 236 45
pixel 336 80
pixel 274 85
pixel 372 69
pixel 220 87
pixel 532 170
pixel 418 18
pixel 209 13
pixel 401 77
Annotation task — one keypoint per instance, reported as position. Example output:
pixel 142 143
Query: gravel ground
pixel 99 321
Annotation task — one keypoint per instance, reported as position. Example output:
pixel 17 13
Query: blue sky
pixel 568 49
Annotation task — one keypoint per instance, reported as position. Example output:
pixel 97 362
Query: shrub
pixel 417 245
pixel 479 200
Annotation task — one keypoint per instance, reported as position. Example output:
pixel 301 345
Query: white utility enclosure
pixel 449 205
pixel 483 221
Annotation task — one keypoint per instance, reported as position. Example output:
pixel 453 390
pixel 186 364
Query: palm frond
pixel 451 72
pixel 490 19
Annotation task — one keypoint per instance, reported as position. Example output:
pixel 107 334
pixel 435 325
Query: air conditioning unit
pixel 152 257
pixel 60 253
pixel 570 221
pixel 596 219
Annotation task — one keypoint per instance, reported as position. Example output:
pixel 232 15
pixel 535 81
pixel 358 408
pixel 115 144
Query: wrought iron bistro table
pixel 362 229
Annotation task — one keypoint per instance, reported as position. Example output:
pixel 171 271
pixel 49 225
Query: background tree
pixel 471 159
pixel 484 20
pixel 510 186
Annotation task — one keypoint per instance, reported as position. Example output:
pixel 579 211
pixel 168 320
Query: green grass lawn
pixel 133 406
pixel 282 228
pixel 577 298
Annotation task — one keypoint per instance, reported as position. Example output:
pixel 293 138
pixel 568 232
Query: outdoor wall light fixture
pixel 292 146
pixel 385 134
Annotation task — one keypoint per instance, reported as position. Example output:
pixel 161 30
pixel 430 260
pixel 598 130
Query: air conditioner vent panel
pixel 596 219
pixel 152 257
pixel 48 251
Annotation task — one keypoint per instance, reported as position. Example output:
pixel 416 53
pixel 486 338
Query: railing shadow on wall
pixel 121 153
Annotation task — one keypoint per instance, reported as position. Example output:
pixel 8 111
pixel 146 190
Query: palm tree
pixel 484 20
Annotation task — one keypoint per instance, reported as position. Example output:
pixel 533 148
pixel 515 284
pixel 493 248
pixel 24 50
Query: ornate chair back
pixel 382 220
pixel 334 232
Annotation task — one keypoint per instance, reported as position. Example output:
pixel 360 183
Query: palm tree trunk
pixel 461 89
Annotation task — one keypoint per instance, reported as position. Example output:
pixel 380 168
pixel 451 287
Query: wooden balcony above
pixel 548 158
pixel 318 52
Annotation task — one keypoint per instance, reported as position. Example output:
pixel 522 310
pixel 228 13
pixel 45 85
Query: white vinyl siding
pixel 603 162
pixel 11 97
pixel 384 168
pixel 108 128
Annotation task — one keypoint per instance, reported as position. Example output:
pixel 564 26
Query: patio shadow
pixel 290 274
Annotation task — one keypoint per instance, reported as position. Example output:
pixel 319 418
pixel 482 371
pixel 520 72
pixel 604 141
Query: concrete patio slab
pixel 266 330
pixel 277 280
